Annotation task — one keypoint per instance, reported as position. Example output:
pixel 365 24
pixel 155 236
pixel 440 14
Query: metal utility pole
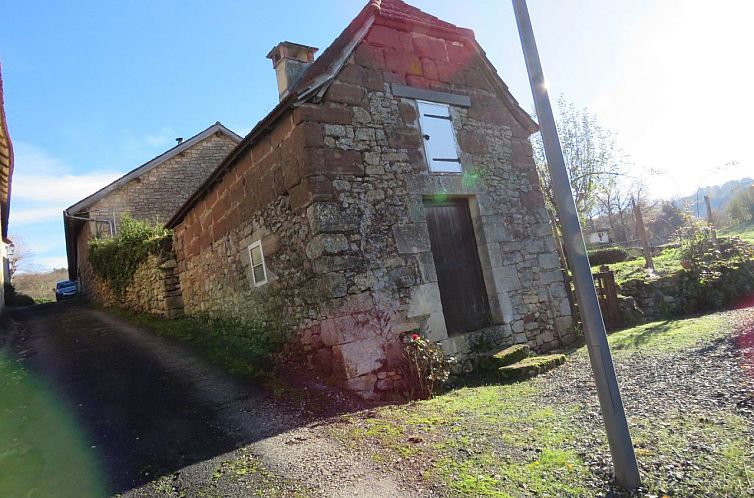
pixel 642 233
pixel 608 392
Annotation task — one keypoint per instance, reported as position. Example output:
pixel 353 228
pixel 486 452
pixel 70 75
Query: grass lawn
pixel 666 263
pixel 745 231
pixel 544 437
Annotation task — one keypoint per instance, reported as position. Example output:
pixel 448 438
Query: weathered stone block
pixel 360 357
pixel 506 278
pixel 326 113
pixel 345 93
pixel 412 238
pixel 364 385
pixel 327 264
pixel 424 299
pixel 328 217
pixel 427 269
pixel 383 36
pixel 342 330
pixel 549 260
pixel 328 243
pixel 399 61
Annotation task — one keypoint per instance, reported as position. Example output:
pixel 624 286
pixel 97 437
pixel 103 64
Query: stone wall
pixel 157 194
pixel 155 287
pixel 336 193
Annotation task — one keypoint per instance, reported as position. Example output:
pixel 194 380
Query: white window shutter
pixel 439 138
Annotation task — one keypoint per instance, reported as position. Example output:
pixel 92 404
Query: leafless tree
pixel 591 156
pixel 19 255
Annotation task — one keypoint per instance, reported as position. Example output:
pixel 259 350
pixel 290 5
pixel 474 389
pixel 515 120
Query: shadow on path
pixel 146 407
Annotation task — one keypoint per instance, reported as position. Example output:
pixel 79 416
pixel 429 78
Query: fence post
pixel 643 235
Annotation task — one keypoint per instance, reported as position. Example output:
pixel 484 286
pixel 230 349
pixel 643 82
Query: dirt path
pixel 163 422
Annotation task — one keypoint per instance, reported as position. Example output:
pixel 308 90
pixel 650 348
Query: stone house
pixel 392 189
pixel 152 192
pixel 6 174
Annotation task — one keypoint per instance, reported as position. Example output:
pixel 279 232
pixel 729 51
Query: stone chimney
pixel 290 60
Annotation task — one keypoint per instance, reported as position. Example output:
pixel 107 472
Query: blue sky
pixel 94 89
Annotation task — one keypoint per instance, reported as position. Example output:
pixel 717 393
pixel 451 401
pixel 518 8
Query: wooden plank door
pixel 459 273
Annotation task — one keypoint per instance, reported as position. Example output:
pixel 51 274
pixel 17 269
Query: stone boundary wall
pixel 685 292
pixel 154 289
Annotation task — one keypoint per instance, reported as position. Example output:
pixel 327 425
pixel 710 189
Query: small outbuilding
pixel 391 190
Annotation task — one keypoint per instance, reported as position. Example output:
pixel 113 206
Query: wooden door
pixel 459 273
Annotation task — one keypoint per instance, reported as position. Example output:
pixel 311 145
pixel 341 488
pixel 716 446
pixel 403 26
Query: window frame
pixel 449 118
pixel 262 263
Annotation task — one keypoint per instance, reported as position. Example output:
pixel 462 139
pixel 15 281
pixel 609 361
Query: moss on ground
pixel 246 472
pixel 525 439
pixel 485 441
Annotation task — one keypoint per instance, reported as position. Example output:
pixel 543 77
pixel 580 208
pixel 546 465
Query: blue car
pixel 66 289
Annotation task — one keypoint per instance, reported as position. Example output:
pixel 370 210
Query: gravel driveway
pixel 662 390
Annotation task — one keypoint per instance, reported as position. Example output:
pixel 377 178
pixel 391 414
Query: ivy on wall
pixel 116 259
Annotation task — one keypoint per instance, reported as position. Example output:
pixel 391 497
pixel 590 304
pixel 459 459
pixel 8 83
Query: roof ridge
pixel 154 162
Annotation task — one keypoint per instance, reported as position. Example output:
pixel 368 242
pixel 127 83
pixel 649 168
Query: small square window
pixel 256 261
pixel 439 138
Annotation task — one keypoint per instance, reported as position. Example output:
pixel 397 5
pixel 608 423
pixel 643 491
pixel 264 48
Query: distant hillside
pixel 39 285
pixel 720 196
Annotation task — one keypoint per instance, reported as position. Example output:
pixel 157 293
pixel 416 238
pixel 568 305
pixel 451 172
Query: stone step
pixel 507 356
pixel 531 366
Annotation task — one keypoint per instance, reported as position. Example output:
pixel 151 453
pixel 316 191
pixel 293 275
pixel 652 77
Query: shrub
pixel 741 207
pixel 607 256
pixel 116 259
pixel 718 273
pixel 699 251
pixel 427 368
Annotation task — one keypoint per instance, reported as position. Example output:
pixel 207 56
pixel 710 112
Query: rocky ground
pixel 688 388
pixel 680 400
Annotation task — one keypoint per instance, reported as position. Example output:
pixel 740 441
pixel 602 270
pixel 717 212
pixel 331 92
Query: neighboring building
pixel 598 236
pixel 151 192
pixel 392 189
pixel 6 173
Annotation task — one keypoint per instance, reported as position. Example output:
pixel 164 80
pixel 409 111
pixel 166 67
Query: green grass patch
pixel 666 263
pixel 484 441
pixel 520 439
pixel 670 335
pixel 43 451
pixel 745 231
pixel 238 349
